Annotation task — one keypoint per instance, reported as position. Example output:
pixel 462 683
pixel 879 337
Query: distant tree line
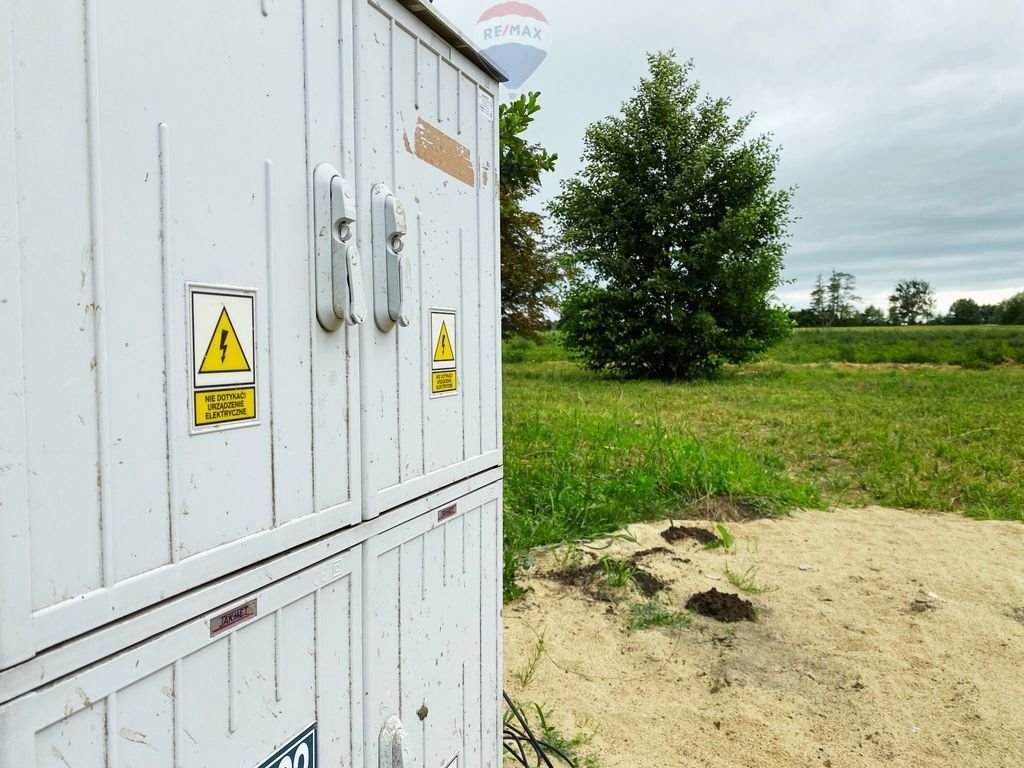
pixel 833 302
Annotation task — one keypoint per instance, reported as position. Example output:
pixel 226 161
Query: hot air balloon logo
pixel 516 37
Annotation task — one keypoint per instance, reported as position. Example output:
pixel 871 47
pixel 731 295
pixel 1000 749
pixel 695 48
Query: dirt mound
pixel 721 606
pixel 682 532
pixel 592 578
pixel 652 551
pixel 648 584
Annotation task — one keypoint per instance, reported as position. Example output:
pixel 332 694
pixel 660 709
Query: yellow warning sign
pixel 224 357
pixel 443 381
pixel 444 352
pixel 224 353
pixel 444 364
pixel 223 406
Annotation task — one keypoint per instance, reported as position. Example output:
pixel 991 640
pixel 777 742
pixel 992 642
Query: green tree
pixel 912 302
pixel 819 301
pixel 676 235
pixel 529 274
pixel 833 300
pixel 1011 311
pixel 804 318
pixel 872 315
pixel 964 312
pixel 841 298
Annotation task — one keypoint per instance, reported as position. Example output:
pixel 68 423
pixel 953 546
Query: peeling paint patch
pixel 485 173
pixel 444 153
pixel 405 140
pixel 130 735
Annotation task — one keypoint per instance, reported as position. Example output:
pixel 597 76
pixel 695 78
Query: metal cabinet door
pixel 148 146
pixel 273 675
pixel 432 647
pixel 426 133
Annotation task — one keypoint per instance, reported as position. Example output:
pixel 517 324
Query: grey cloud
pixel 901 124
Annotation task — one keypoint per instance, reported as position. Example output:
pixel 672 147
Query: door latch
pixel 392 270
pixel 392 751
pixel 339 273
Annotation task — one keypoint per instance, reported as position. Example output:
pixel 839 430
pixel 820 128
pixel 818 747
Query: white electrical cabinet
pixel 313 669
pixel 248 317
pixel 248 289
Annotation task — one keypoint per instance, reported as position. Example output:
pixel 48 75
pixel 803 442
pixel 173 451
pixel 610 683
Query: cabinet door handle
pixel 392 751
pixel 392 271
pixel 339 281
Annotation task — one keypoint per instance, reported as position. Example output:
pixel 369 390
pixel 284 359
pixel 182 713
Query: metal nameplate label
pixel 300 752
pixel 448 512
pixel 232 618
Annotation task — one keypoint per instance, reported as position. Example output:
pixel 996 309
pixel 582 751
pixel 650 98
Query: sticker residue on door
pixel 300 752
pixel 223 345
pixel 444 153
pixel 444 368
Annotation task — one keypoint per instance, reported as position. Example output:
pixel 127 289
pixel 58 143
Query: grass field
pixel 967 346
pixel 586 455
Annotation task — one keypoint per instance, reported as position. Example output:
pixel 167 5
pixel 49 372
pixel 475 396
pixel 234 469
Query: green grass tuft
pixel 654 613
pixel 575 747
pixel 746 580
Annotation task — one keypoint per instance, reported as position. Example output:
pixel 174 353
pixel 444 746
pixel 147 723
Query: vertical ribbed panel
pixel 186 698
pixel 432 603
pixel 134 162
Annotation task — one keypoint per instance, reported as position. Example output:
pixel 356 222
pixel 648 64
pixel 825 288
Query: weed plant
pixel 575 747
pixel 528 671
pixel 725 540
pixel 617 573
pixel 654 613
pixel 746 580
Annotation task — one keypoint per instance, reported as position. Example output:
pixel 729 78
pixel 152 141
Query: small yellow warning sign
pixel 224 357
pixel 444 364
pixel 223 406
pixel 224 353
pixel 444 351
pixel 443 381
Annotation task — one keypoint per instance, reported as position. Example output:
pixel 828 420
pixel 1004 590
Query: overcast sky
pixel 901 123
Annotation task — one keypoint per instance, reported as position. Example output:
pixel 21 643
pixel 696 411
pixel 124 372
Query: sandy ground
pixel 888 638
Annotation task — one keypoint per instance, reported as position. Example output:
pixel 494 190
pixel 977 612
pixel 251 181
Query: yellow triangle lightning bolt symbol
pixel 224 353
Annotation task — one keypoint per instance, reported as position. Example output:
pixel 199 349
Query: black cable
pixel 519 742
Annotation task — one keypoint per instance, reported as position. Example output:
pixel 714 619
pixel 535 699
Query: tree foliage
pixel 871 315
pixel 912 302
pixel 529 274
pixel 1011 311
pixel 676 235
pixel 965 312
pixel 833 301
